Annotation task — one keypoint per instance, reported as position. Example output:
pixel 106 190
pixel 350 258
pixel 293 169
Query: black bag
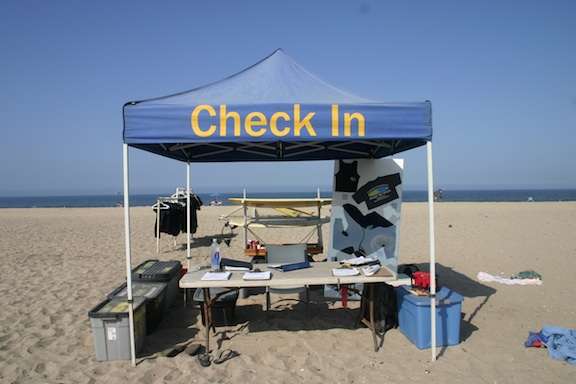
pixel 408 269
pixel 385 307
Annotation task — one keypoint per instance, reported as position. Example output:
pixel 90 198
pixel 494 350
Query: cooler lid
pixel 149 290
pixel 155 270
pixel 444 296
pixel 115 307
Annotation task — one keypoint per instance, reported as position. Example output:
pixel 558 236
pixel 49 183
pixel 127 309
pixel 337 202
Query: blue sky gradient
pixel 501 77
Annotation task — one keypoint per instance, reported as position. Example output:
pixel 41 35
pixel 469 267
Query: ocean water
pixel 409 196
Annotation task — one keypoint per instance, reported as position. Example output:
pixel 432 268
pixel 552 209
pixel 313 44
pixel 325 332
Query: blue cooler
pixel 414 317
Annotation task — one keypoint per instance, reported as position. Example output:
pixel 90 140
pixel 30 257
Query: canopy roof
pixel 273 110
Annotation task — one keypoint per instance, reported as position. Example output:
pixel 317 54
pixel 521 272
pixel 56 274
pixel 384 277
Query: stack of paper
pixel 356 261
pixel 371 270
pixel 232 268
pixel 257 275
pixel 344 272
pixel 216 276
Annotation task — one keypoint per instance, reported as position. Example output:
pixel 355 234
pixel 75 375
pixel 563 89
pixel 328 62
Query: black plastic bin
pixel 224 307
pixel 155 295
pixel 155 271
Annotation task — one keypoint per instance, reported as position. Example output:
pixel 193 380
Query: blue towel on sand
pixel 561 343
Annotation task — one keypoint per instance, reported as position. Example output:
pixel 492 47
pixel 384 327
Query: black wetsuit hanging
pixel 170 219
pixel 379 191
pixel 347 177
pixel 195 204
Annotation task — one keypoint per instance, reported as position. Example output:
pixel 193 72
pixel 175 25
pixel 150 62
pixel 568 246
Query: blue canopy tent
pixel 274 110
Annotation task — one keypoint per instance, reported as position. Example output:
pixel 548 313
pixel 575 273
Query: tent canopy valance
pixel 273 110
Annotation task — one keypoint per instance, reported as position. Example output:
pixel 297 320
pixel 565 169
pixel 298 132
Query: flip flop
pixel 204 359
pixel 224 355
pixel 174 351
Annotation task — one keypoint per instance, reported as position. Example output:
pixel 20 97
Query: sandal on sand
pixel 225 355
pixel 194 349
pixel 173 351
pixel 204 359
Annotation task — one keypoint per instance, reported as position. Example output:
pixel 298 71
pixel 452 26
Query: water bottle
pixel 215 256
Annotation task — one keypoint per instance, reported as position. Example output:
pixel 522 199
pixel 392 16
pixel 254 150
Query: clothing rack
pixel 176 197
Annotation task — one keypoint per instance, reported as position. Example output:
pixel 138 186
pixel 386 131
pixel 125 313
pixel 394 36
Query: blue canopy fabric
pixel 273 110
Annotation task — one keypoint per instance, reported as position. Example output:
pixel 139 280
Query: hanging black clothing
pixel 195 204
pixel 170 218
pixel 379 191
pixel 347 177
pixel 173 219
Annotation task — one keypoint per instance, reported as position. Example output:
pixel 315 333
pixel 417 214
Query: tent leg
pixel 128 255
pixel 319 226
pixel 245 212
pixel 188 236
pixel 432 249
pixel 158 227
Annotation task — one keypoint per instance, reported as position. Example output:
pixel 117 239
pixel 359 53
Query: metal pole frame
pixel 188 236
pixel 319 226
pixel 245 214
pixel 432 244
pixel 128 254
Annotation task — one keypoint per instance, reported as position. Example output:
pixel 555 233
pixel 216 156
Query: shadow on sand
pixel 288 314
pixel 178 327
pixel 467 287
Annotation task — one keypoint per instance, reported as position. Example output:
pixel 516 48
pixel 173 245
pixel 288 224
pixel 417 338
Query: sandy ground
pixel 56 264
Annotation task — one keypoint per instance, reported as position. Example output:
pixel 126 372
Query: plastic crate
pixel 161 271
pixel 155 295
pixel 111 329
pixel 414 317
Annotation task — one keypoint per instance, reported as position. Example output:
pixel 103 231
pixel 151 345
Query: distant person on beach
pixel 438 195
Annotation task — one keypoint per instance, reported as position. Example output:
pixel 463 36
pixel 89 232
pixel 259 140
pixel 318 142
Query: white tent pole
pixel 432 250
pixel 128 255
pixel 158 226
pixel 188 256
pixel 319 226
pixel 245 209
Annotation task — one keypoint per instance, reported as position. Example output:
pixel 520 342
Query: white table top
pixel 318 274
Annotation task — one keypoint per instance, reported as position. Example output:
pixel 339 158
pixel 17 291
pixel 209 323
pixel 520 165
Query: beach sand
pixel 56 264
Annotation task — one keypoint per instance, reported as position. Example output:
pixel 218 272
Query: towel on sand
pixel 483 276
pixel 561 342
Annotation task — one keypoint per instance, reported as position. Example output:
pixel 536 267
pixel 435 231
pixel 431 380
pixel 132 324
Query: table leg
pixel 267 299
pixel 362 308
pixel 344 296
pixel 371 310
pixel 207 316
pixel 307 300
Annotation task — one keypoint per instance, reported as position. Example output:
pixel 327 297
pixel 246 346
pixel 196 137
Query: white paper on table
pixel 257 275
pixel 216 276
pixel 371 270
pixel 230 268
pixel 358 260
pixel 343 272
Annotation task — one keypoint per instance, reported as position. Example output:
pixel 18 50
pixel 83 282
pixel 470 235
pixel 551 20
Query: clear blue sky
pixel 501 76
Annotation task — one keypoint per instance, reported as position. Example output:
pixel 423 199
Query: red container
pixel 421 280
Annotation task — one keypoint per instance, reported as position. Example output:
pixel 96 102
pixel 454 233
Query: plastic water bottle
pixel 215 256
